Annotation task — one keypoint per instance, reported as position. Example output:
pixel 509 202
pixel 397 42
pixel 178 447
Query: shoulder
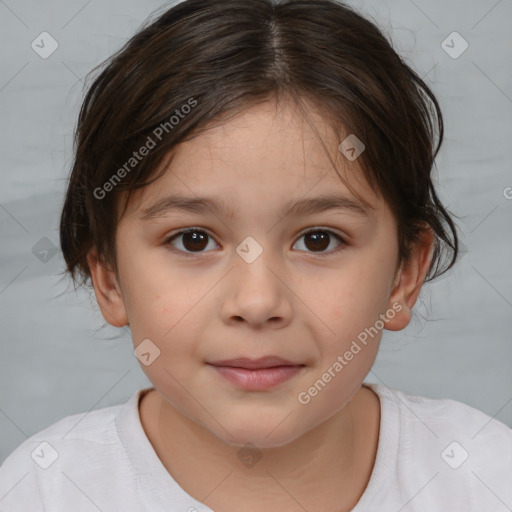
pixel 93 426
pixel 443 415
pixel 61 456
pixel 457 447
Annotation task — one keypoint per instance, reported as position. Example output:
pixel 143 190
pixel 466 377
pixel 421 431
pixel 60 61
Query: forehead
pixel 268 153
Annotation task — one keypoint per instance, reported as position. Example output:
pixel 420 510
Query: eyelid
pixel 186 230
pixel 321 228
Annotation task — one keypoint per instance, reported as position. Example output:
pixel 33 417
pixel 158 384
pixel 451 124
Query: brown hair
pixel 202 62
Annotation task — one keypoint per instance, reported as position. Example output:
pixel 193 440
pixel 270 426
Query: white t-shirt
pixel 433 456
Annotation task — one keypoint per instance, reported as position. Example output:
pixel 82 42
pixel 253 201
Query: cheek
pixel 156 294
pixel 171 325
pixel 349 302
pixel 166 303
pixel 352 298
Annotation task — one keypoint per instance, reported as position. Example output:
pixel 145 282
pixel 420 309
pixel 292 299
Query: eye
pixel 194 240
pixel 317 240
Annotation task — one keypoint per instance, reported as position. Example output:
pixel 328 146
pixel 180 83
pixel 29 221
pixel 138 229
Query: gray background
pixel 56 360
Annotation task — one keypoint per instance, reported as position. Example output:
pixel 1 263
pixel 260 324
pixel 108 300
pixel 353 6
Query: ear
pixel 410 279
pixel 108 292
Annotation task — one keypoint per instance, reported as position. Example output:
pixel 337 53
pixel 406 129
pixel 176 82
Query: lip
pixel 255 364
pixel 257 374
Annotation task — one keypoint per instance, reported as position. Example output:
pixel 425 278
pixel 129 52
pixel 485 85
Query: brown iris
pixel 319 240
pixel 197 240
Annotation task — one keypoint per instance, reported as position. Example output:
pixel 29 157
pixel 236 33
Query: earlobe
pixel 410 279
pixel 107 290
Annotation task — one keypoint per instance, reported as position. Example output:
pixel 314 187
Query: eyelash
pixel 169 239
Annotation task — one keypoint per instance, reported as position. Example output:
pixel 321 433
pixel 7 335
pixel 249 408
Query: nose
pixel 257 294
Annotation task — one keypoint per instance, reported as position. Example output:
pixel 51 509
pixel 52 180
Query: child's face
pixel 302 302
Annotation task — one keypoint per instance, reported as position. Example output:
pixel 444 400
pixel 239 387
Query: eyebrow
pixel 218 206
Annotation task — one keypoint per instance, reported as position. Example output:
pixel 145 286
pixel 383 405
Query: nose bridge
pixel 253 267
pixel 256 294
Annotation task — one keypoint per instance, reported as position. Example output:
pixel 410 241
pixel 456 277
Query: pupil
pixel 320 239
pixel 195 239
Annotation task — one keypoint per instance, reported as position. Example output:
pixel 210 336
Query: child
pixel 293 147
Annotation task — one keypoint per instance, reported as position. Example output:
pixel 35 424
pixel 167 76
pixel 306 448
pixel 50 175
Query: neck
pixel 327 468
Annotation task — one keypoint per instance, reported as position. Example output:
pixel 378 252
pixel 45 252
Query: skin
pixel 293 301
